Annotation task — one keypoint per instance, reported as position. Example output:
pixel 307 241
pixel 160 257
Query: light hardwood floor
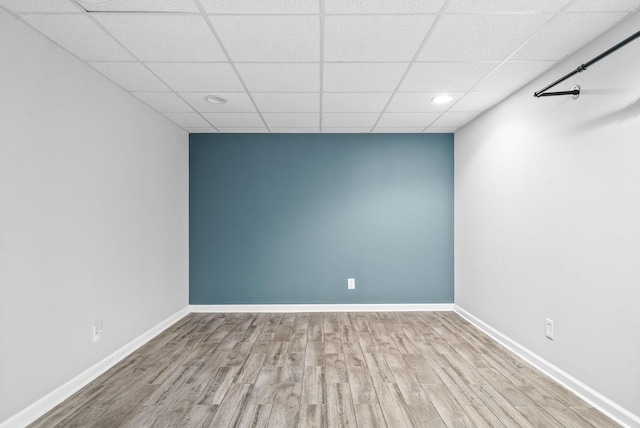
pixel 421 369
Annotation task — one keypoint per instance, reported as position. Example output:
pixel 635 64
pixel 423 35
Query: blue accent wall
pixel 287 218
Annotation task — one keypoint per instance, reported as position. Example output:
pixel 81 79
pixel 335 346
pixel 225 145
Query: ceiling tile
pixel 234 120
pixel 260 6
pixel 504 6
pixel 80 36
pixel 198 77
pixel 132 76
pixel 479 101
pixel 383 6
pixel 363 77
pixel 232 130
pixel 22 6
pixel 269 38
pixel 333 120
pixel 566 33
pixel 140 6
pixel 160 37
pixel 374 37
pixel 454 119
pixel 406 120
pixel 191 120
pixel 512 75
pixel 339 130
pixel 280 77
pixel 379 130
pixel 294 130
pixel 355 102
pixel 164 102
pixel 237 102
pixel 604 6
pixel 439 77
pixel 419 102
pixel 480 37
pixel 287 102
pixel 292 120
pixel 203 130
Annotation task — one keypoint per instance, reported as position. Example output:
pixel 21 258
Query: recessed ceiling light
pixel 215 99
pixel 442 99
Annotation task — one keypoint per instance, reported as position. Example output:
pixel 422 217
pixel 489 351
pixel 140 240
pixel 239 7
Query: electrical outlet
pixel 97 329
pixel 351 283
pixel 549 328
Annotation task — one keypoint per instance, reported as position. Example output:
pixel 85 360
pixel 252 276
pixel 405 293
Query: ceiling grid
pixel 321 65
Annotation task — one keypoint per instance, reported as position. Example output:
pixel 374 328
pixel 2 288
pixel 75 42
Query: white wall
pixel 547 220
pixel 93 216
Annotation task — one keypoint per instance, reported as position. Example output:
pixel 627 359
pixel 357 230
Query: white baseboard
pixel 588 394
pixel 375 307
pixel 57 396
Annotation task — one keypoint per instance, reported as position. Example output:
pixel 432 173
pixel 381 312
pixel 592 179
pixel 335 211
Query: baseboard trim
pixel 588 394
pixel 375 307
pixel 57 396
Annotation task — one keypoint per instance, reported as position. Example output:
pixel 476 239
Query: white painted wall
pixel 93 216
pixel 547 223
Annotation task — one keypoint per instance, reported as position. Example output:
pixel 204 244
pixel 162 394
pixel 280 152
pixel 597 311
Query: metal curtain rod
pixel 575 91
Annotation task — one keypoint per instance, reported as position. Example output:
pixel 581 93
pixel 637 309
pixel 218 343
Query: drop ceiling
pixel 321 65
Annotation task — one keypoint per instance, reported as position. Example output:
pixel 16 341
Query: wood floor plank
pixel 333 343
pixel 594 417
pixel 378 368
pixel 200 415
pixel 229 411
pixel 482 417
pixel 313 386
pixel 335 369
pixel 361 385
pixel 286 406
pixel 293 369
pixel 314 355
pixel 425 416
pixel 340 406
pixel 369 415
pixel 184 398
pixel 537 417
pixel 448 407
pixel 251 369
pixel 215 391
pixel 313 416
pixel 394 409
pixel 254 416
pixel 422 369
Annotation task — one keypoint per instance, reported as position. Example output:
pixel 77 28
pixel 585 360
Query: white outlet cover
pixel 549 328
pixel 351 283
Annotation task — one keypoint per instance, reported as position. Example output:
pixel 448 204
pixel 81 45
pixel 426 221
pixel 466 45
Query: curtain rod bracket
pixel 576 92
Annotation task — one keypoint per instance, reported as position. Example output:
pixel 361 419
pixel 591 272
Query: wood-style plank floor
pixel 420 369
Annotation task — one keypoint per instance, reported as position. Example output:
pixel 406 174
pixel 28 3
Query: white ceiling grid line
pixel 178 120
pixel 325 66
pixel 413 60
pixel 226 53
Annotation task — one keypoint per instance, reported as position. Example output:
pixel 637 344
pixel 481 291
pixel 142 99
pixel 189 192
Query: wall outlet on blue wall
pixel 351 283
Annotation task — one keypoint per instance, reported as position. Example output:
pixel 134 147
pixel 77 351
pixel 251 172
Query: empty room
pixel 319 213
